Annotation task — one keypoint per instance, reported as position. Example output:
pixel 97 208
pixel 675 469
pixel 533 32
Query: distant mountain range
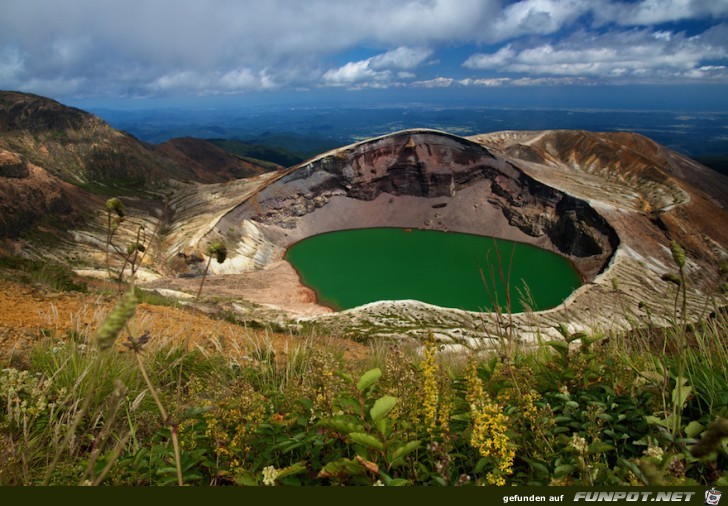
pixel 307 131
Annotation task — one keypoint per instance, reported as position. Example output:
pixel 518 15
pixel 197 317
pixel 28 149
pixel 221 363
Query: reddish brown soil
pixel 31 315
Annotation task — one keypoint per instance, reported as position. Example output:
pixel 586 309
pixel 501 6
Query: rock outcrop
pixel 30 196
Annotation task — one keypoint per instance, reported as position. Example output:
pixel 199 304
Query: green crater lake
pixel 349 268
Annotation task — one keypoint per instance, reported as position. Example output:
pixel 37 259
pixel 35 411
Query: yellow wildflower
pixel 530 411
pixel 430 387
pixel 489 429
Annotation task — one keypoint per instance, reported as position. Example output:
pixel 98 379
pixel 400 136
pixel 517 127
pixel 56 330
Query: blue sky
pixel 194 52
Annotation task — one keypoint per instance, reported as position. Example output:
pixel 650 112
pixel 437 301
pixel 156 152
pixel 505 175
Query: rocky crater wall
pixel 413 179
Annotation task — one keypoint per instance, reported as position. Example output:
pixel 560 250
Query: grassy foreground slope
pixel 120 401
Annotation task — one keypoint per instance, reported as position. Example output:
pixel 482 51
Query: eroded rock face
pixel 415 179
pixel 12 166
pixel 30 196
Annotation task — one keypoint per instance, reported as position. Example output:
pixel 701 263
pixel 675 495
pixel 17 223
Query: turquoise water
pixel 353 267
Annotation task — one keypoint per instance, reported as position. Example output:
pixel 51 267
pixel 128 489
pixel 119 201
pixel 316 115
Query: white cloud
pixel 378 69
pixel 535 17
pixel 641 54
pixel 485 83
pixel 138 47
pixel 404 58
pixel 238 80
pixel 708 72
pixel 491 61
pixel 446 82
pixel 245 79
pixel 653 12
pixel 353 72
pixel 438 82
pixel 551 81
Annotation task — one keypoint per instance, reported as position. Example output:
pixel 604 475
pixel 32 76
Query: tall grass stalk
pixel 498 272
pixel 167 420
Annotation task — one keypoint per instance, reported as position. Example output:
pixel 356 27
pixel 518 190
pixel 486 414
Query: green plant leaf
pixel 342 468
pixel 635 469
pixel 561 346
pixel 306 403
pixel 564 470
pixel 289 446
pixel 196 411
pixel 563 330
pixel 166 470
pixel 341 424
pixel 653 420
pixel 368 379
pixel 693 429
pixel 400 453
pixel 346 377
pixel 538 467
pixel 366 440
pixel 577 335
pixel 681 392
pixel 398 482
pixel 384 426
pixel 600 447
pixel 481 465
pixel 298 467
pixel 382 406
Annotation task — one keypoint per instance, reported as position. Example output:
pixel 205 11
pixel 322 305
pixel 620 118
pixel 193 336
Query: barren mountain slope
pixel 54 158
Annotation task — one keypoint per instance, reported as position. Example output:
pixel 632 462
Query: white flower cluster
pixel 23 396
pixel 579 443
pixel 270 474
pixel 654 451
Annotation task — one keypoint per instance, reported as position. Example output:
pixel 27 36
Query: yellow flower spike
pixel 489 428
pixel 430 387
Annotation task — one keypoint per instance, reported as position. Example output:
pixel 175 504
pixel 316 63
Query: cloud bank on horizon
pixel 157 48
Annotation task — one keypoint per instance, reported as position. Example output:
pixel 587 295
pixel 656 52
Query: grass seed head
pixel 110 328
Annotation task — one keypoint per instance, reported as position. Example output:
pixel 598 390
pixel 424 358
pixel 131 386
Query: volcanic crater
pixel 611 214
pixel 413 179
pixel 611 203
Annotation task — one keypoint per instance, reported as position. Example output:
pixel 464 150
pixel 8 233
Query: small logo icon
pixel 712 497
